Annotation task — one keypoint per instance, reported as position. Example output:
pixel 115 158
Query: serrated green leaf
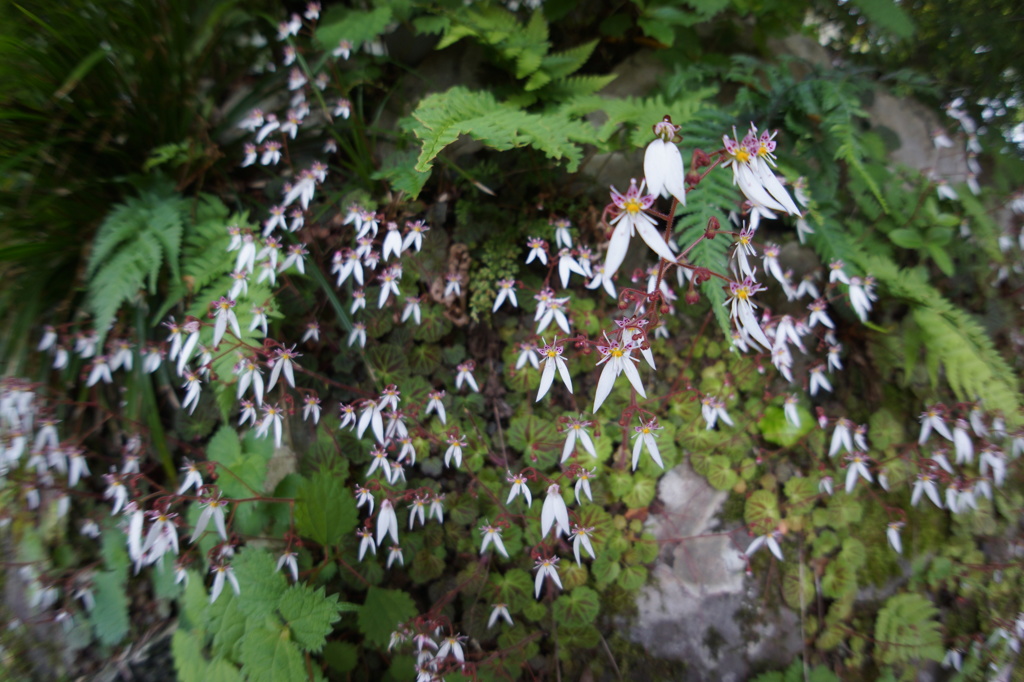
pixel 356 26
pixel 269 656
pixel 907 630
pixel 325 511
pixel 261 583
pixel 110 615
pixel 382 613
pixel 310 615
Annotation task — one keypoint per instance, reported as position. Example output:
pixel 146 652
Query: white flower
pixel 825 485
pixel 962 442
pixel 212 508
pixel 583 483
pixel 492 535
pixel 741 309
pixel 562 237
pixel 577 430
pixel 100 370
pixel 581 537
pixel 554 513
pixel 752 161
pixel 435 405
pixel 387 522
pixel 713 409
pixel 506 292
pixel 395 554
pixel 437 508
pixel 453 284
pixel 418 510
pixel 115 491
pixel 371 417
pixel 519 485
pixel 567 264
pixel 630 220
pixel 527 354
pixel 414 238
pixel 499 611
pixel 546 568
pixel 551 356
pixel 366 543
pixel 357 335
pixel 311 408
pixel 790 410
pixel 452 645
pixel 289 560
pixel 379 460
pixel 220 572
pixel 283 362
pixel 842 437
pixel 617 359
pixel 273 418
pixel 645 436
pixel 465 375
pixel 601 279
pixel 454 451
pixel 932 419
pixel 857 468
pixel 663 164
pixel 412 309
pixel 892 533
pixel 925 483
pixel 192 387
pixel 538 250
pixel 771 539
pixel 819 380
pixel 859 299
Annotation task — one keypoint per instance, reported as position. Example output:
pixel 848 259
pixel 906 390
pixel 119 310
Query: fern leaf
pixel 120 225
pixel 568 62
pixel 442 117
pixel 906 630
pixel 953 340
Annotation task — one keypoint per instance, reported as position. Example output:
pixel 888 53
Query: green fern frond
pixel 134 242
pixel 441 118
pixel 123 223
pixel 953 341
pixel 906 630
pixel 704 202
pixel 639 113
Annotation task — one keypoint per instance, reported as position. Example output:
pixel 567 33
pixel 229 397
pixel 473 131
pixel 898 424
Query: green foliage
pixel 134 242
pixel 906 630
pixel 310 615
pixel 325 512
pixel 382 611
pixel 953 341
pixel 441 118
pixel 110 615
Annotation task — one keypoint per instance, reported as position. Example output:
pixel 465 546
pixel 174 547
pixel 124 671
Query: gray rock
pixel 699 609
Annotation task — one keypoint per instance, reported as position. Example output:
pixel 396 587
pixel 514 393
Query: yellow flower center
pixel 616 352
pixel 632 206
pixel 742 155
pixel 743 293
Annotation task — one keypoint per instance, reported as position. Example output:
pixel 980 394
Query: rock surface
pixel 699 608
